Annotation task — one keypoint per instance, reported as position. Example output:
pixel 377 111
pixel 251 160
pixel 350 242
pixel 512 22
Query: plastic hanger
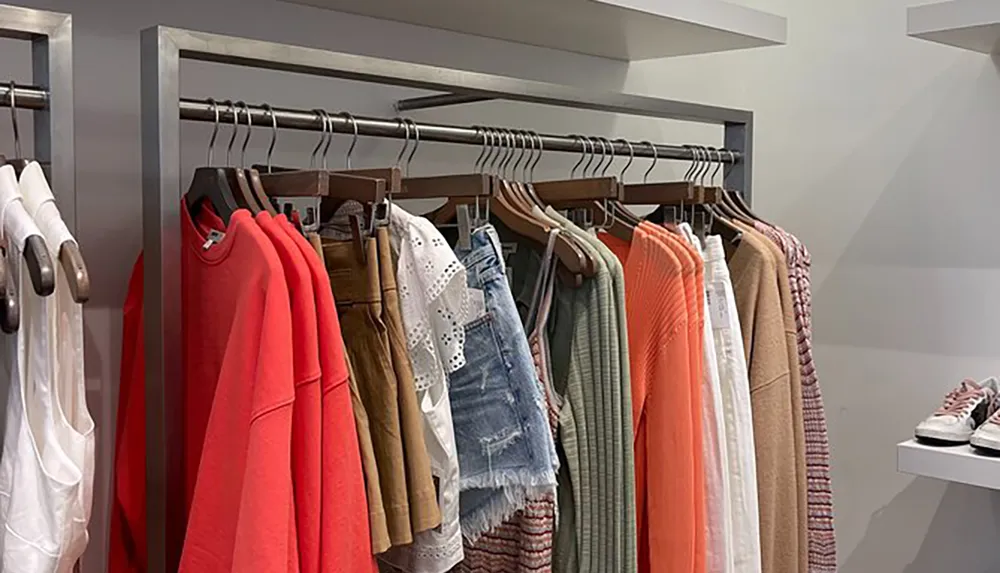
pixel 34 249
pixel 18 225
pixel 40 203
pixel 211 184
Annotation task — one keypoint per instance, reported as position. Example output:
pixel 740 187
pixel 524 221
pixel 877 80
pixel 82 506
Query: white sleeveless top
pixel 73 421
pixel 39 482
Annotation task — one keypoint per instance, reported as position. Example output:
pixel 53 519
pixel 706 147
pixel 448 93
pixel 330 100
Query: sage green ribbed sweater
pixel 619 501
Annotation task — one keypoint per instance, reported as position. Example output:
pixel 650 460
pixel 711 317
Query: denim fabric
pixel 501 430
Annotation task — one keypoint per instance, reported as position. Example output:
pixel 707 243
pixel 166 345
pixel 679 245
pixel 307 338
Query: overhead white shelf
pixel 960 464
pixel 968 24
pixel 620 29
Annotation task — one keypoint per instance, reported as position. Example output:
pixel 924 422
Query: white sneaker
pixel 964 409
pixel 988 435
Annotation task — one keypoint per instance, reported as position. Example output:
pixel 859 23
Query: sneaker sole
pixel 935 437
pixel 986 443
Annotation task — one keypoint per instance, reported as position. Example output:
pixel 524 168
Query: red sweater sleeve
pixel 240 520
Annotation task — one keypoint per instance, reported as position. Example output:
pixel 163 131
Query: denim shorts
pixel 501 430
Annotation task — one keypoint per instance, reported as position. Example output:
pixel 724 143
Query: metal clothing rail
pixel 203 110
pixel 50 96
pixel 162 50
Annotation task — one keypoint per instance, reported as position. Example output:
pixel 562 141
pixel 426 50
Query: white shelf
pixel 960 464
pixel 620 29
pixel 968 24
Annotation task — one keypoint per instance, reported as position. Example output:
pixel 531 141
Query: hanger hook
pixel 215 130
pixel 354 127
pixel 732 161
pixel 527 154
pixel 487 149
pixel 694 162
pixel 482 148
pixel 508 151
pixel 406 140
pixel 611 153
pixel 583 155
pixel 322 138
pixel 494 152
pixel 533 138
pixel 631 157
pixel 329 134
pixel 718 166
pixel 652 148
pixel 268 110
pixel 13 119
pixel 416 143
pixel 246 140
pixel 236 127
pixel 541 149
pixel 591 156
pixel 708 164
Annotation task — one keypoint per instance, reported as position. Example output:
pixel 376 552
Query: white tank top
pixel 40 480
pixel 74 425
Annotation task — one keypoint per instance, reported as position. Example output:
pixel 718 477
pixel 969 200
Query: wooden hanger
pixel 502 206
pixel 252 176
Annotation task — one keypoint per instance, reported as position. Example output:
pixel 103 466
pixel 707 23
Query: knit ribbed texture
pixel 795 381
pixel 619 498
pixel 667 489
pixel 822 540
pixel 694 294
pixel 758 301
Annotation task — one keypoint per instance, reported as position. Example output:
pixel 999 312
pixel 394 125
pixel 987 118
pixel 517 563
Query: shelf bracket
pixel 441 100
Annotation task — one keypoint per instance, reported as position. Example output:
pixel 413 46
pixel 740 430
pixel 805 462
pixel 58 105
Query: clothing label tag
pixel 464 227
pixel 213 238
pixel 477 304
pixel 717 308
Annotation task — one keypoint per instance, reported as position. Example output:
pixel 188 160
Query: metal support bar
pixel 738 137
pixel 25 97
pixel 201 110
pixel 51 96
pixel 161 55
pixel 441 100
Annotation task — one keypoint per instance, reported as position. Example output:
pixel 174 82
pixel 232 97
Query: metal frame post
pixel 738 137
pixel 51 37
pixel 162 51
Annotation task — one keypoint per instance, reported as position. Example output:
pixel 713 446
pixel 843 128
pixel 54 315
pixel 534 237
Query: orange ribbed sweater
pixel 660 293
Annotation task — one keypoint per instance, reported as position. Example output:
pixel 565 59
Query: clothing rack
pixel 344 123
pixel 163 49
pixel 50 96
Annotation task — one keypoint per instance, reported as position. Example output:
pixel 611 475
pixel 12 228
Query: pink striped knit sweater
pixel 822 541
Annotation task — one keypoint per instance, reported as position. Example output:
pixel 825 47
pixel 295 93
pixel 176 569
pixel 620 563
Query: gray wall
pixel 875 149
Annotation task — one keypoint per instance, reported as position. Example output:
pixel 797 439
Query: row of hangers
pixel 596 199
pixel 34 250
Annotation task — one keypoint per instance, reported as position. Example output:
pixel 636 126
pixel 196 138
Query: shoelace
pixel 956 402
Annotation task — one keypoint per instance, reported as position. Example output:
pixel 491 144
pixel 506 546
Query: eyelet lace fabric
pixel 434 304
pixel 432 297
